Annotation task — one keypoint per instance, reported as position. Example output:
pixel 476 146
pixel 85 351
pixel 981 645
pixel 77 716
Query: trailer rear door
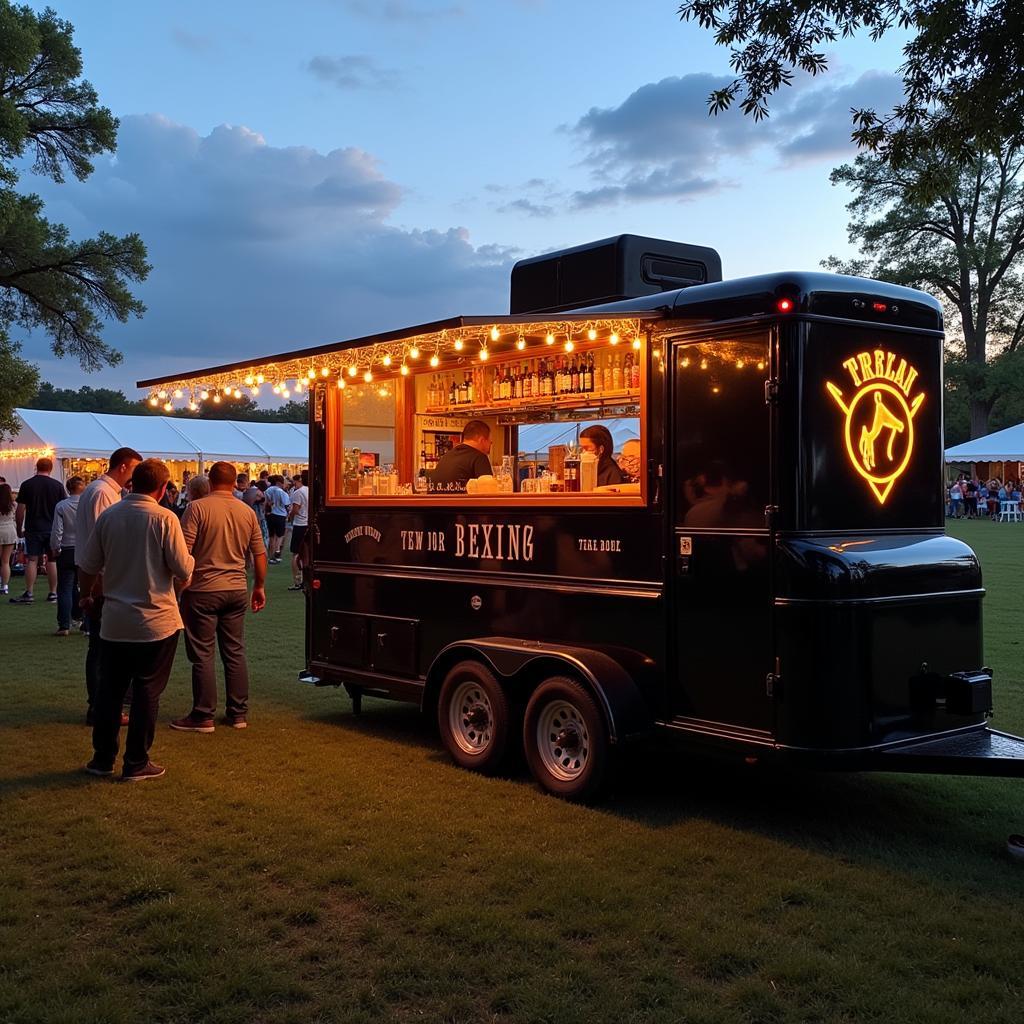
pixel 719 463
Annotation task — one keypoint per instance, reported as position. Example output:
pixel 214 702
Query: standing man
pixel 277 516
pixel 253 497
pixel 464 462
pixel 62 551
pixel 220 532
pixel 103 492
pixel 299 514
pixel 37 501
pixel 138 547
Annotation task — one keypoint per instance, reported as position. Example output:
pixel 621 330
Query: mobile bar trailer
pixel 776 582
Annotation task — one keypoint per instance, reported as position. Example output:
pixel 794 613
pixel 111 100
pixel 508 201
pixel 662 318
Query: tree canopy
pixel 963 68
pixel 49 282
pixel 965 245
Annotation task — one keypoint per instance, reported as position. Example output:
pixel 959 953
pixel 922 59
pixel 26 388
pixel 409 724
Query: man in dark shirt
pixel 466 461
pixel 37 499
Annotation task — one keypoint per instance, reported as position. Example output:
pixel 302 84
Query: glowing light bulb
pixel 352 371
pixel 368 377
pixel 276 389
pixel 285 393
pixel 405 370
pixel 154 401
pixel 255 390
pixel 636 344
pixel 414 353
pixel 458 346
pixel 260 379
pixel 161 394
pixel 520 343
pixel 715 390
pixel 216 399
pixel 324 372
pixel 550 339
pixel 237 393
pixel 167 406
pixel 341 383
pixel 703 364
pixel 193 406
pixel 298 386
pixel 591 334
pixel 484 355
pixel 386 360
pixel 760 365
pixel 204 394
pixel 495 334
pixel 740 364
pixel 434 360
pixel 311 373
pixel 177 392
pixel 613 338
pixel 569 346
pixel 249 379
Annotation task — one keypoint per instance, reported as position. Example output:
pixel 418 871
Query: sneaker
pixel 95 768
pixel 25 598
pixel 190 724
pixel 63 632
pixel 296 586
pixel 274 561
pixel 3 588
pixel 76 623
pixel 51 597
pixel 236 723
pixel 144 773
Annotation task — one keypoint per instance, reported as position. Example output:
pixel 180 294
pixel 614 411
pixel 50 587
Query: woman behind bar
pixel 598 439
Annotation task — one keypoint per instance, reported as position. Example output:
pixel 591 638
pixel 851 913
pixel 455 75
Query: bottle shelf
pixel 573 400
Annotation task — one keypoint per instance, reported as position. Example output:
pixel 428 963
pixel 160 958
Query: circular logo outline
pixel 908 420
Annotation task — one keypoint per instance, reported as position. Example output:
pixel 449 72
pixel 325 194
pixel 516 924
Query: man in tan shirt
pixel 220 531
pixel 138 547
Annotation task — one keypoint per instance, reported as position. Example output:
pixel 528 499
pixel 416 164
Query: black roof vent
pixel 623 267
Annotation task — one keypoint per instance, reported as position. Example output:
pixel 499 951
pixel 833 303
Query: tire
pixel 473 718
pixel 565 740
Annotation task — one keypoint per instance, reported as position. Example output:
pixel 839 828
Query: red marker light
pixel 879 307
pixel 316 584
pixel 784 305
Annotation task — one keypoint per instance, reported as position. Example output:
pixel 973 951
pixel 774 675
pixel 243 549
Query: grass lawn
pixel 318 867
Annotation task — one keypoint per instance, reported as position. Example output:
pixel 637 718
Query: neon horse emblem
pixel 884 420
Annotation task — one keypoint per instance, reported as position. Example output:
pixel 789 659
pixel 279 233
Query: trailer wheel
pixel 473 717
pixel 565 739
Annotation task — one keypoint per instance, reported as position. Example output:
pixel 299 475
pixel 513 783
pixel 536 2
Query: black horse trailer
pixel 769 579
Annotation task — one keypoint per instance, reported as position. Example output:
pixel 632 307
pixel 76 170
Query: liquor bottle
pixel 606 376
pixel 634 375
pixel 616 374
pixel 574 377
pixel 506 384
pixel 525 374
pixel 560 376
pixel 517 382
pixel 464 390
pixel 535 380
pixel 588 373
pixel 452 397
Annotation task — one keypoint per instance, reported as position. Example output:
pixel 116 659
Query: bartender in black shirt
pixel 466 461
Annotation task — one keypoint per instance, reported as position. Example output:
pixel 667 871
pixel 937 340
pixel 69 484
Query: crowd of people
pixel 969 497
pixel 132 560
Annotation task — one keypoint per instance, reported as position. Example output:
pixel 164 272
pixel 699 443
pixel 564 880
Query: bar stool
pixel 1009 512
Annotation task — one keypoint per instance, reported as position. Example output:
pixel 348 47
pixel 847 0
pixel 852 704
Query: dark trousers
pixel 67 588
pixel 93 621
pixel 217 619
pixel 145 667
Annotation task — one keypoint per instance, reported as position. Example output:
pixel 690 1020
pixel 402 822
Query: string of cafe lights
pixel 378 365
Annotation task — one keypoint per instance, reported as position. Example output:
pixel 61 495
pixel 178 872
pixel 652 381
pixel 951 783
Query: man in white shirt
pixel 298 512
pixel 139 548
pixel 103 492
pixel 62 552
pixel 277 506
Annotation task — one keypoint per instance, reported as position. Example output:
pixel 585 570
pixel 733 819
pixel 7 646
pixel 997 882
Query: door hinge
pixel 773 681
pixel 771 390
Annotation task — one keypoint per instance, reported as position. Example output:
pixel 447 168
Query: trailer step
pixel 980 752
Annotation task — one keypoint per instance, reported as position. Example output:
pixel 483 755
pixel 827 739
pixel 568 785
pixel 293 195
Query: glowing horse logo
pixel 884 420
pixel 889 381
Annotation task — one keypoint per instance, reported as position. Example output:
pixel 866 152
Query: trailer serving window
pixel 563 416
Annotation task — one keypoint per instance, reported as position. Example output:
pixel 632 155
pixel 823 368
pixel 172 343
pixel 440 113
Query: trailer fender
pixel 522 664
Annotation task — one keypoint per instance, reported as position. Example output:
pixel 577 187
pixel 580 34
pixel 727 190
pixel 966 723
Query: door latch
pixel 773 681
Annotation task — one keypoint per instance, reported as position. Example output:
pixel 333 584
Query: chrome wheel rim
pixel 471 718
pixel 563 741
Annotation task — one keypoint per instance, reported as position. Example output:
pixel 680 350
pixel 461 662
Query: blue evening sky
pixel 308 172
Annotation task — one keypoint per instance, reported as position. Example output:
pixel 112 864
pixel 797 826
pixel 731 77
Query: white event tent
pixel 1000 454
pixel 81 442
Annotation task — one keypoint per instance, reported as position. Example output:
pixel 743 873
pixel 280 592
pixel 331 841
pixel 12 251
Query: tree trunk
pixel 979 418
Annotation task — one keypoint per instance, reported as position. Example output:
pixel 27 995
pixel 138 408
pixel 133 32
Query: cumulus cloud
pixel 258 249
pixel 353 71
pixel 661 143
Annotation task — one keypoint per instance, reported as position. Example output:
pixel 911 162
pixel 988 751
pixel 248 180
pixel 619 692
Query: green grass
pixel 322 868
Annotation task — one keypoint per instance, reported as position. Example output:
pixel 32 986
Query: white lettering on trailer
pixel 602 544
pixel 502 542
pixel 363 531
